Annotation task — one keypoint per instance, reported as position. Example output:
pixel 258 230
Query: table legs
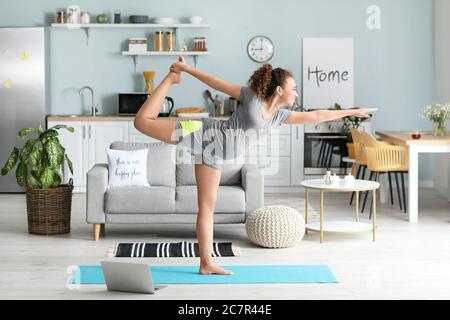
pixel 321 216
pixel 413 184
pixel 357 206
pixel 374 212
pixel 306 209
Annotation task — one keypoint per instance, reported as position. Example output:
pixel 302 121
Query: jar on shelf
pixel 200 44
pixel 85 18
pixel 159 40
pixel 117 17
pixel 73 14
pixel 60 17
pixel 170 41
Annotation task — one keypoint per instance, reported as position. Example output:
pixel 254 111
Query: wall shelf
pixel 175 26
pixel 167 53
pixel 194 54
pixel 87 27
pixel 129 25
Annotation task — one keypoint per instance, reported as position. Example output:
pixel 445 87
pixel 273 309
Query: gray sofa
pixel 172 195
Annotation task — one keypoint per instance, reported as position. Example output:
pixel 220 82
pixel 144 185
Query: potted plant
pixel 350 122
pixel 39 163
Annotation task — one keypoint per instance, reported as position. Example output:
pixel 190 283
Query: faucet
pixel 93 107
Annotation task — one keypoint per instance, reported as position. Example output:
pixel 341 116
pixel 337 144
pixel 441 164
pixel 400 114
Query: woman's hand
pixel 362 113
pixel 179 66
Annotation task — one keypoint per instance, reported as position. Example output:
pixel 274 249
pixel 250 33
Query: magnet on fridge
pixel 25 55
pixel 7 84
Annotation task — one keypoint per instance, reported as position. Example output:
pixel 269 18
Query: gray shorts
pixel 189 135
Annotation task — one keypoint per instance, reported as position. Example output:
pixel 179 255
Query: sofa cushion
pixel 230 199
pixel 230 176
pixel 160 161
pixel 127 168
pixel 154 199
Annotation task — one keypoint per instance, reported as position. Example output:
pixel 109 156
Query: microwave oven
pixel 130 103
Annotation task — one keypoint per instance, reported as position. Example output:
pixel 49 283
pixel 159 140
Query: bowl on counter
pixel 138 19
pixel 416 134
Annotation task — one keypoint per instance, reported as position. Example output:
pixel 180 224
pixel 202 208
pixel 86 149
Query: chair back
pixel 382 157
pixel 357 146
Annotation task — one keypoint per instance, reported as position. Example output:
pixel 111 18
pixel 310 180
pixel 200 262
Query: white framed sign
pixel 328 72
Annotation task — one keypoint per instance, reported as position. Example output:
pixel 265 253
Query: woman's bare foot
pixel 174 77
pixel 214 269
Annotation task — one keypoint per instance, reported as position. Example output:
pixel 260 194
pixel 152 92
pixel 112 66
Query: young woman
pixel 260 107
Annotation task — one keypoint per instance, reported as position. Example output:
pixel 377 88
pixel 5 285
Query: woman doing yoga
pixel 260 108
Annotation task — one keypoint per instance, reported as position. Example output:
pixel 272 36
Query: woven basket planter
pixel 49 210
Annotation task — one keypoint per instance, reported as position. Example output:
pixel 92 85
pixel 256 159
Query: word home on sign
pixel 327 76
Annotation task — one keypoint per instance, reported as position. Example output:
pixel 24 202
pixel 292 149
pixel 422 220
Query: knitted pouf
pixel 275 227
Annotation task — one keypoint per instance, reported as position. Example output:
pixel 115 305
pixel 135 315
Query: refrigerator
pixel 22 91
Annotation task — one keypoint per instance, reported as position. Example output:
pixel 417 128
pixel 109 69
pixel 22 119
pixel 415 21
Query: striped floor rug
pixel 171 249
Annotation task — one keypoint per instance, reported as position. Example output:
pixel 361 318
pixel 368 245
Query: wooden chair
pixel 359 156
pixel 384 158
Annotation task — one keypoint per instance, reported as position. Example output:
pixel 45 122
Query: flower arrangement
pixel 438 114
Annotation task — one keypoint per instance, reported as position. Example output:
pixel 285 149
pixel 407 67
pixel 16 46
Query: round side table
pixel 341 226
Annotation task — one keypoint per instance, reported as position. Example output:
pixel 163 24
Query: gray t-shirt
pixel 227 139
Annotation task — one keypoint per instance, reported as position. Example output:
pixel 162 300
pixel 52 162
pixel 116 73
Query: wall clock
pixel 260 49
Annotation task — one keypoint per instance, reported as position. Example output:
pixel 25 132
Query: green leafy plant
pixel 43 155
pixel 350 122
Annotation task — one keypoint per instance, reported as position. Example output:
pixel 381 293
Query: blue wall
pixel 393 66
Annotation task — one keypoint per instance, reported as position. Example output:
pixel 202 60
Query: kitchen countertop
pixel 129 118
pixel 115 118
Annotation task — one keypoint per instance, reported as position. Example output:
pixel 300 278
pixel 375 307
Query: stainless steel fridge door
pixel 22 91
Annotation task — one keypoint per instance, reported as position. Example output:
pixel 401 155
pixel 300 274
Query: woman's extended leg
pixel 207 185
pixel 147 121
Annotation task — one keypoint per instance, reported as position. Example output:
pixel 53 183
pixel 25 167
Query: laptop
pixel 128 277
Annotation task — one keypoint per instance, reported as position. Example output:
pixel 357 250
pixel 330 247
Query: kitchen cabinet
pixel 87 145
pixel 276 156
pixel 75 145
pixel 281 162
pixel 297 155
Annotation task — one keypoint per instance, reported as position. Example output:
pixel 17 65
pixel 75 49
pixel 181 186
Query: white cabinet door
pixel 276 170
pixel 101 134
pixel 297 143
pixel 137 136
pixel 76 148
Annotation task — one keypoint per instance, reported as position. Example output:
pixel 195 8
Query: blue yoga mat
pixel 242 274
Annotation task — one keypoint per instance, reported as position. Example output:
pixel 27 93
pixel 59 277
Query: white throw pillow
pixel 127 168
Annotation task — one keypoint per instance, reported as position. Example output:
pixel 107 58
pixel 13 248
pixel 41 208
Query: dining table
pixel 427 143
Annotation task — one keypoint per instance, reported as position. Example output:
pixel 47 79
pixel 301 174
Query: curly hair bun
pixel 264 80
pixel 260 80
